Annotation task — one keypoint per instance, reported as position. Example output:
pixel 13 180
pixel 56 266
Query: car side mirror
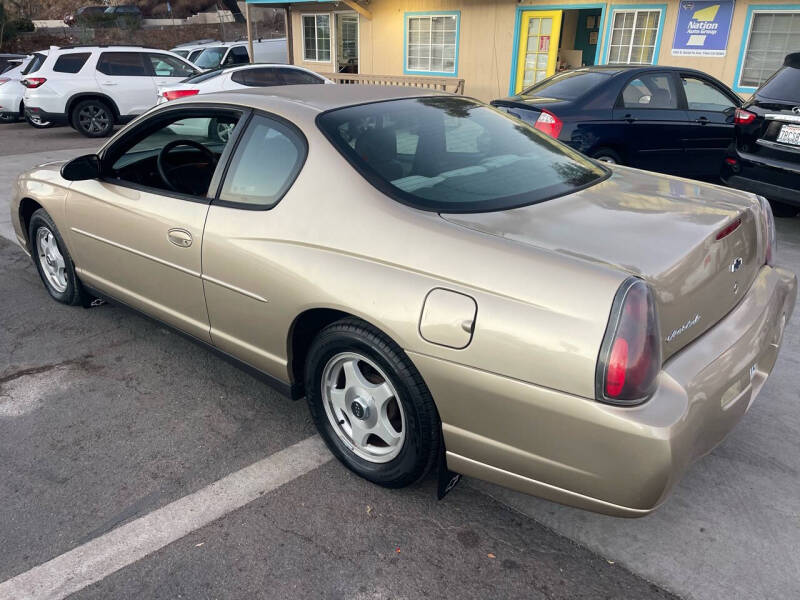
pixel 82 168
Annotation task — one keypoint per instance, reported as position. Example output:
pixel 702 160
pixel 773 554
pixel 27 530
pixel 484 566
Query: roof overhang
pixel 359 8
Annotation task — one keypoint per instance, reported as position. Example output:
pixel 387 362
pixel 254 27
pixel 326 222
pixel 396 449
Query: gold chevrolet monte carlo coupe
pixel 434 277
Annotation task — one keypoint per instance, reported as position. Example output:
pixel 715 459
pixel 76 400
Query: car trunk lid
pixel 662 229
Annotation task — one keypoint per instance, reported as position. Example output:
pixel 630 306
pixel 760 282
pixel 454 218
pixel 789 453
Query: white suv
pixel 92 88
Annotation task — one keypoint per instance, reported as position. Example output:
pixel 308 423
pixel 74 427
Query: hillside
pixel 57 9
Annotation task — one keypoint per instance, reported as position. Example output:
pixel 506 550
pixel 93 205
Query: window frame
pixel 748 29
pixel 316 39
pixel 431 13
pixel 153 121
pixel 680 99
pixel 294 129
pixel 609 27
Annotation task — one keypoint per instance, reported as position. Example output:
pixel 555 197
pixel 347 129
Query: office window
pixel 317 37
pixel 772 35
pixel 633 37
pixel 432 43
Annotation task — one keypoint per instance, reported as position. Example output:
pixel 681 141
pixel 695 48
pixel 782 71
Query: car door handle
pixel 180 237
pixel 701 120
pixel 108 83
pixel 629 118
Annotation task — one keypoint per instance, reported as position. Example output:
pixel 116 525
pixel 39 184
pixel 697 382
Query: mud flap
pixel 447 479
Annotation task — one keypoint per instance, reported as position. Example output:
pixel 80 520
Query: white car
pixel 233 78
pixel 235 53
pixel 241 77
pixel 92 88
pixel 191 50
pixel 12 92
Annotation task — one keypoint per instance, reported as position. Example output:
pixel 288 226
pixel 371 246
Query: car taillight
pixel 768 223
pixel 743 117
pixel 175 94
pixel 630 357
pixel 4 80
pixel 549 123
pixel 33 82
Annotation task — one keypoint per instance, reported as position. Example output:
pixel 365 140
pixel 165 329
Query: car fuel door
pixel 648 110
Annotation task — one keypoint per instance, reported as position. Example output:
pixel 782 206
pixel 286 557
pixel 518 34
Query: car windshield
pixel 568 85
pixel 210 58
pixel 784 85
pixel 450 154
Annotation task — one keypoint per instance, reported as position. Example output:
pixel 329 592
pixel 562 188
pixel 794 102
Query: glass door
pixel 347 42
pixel 538 46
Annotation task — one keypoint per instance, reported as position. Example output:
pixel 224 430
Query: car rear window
pixel 568 85
pixel 450 154
pixel 71 63
pixel 35 64
pixel 783 85
pixel 204 76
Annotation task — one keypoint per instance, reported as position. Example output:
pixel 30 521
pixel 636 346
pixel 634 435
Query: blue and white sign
pixel 702 28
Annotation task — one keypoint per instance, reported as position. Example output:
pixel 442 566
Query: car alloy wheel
pixel 37 122
pixel 51 259
pixel 94 119
pixel 362 407
pixel 224 131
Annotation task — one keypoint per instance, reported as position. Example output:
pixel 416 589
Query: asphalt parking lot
pixel 135 464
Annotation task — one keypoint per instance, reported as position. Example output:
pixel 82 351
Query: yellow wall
pixel 486 39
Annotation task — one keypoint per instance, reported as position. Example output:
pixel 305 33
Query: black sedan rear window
pixel 452 154
pixel 568 85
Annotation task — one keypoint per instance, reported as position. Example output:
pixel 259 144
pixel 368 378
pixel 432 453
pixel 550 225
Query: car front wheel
pixel 371 405
pixel 607 155
pixel 53 261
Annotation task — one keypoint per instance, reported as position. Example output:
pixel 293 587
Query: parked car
pixel 236 53
pixel 191 50
pixel 240 77
pixel 12 92
pixel 92 88
pixel 86 16
pixel 123 15
pixel 765 155
pixel 439 280
pixel 664 119
pixel 10 61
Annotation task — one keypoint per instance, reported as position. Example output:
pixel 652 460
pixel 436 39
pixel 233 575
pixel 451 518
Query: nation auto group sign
pixel 702 28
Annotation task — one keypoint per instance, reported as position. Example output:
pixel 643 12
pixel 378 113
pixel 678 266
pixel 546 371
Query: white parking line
pixel 99 558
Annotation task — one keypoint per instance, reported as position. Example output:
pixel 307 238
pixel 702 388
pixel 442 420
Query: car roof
pixel 313 98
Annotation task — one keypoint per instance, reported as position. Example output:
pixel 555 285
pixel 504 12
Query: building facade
pixel 500 46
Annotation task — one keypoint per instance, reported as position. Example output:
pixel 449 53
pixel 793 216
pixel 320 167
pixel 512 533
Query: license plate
pixel 790 134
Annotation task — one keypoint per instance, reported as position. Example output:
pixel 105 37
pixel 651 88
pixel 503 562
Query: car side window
pixel 122 64
pixel 650 90
pixel 266 163
pixel 237 56
pixel 257 77
pixel 71 63
pixel 703 95
pixel 169 66
pixel 298 77
pixel 174 154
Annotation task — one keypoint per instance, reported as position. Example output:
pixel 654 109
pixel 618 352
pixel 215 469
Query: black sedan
pixel 765 156
pixel 665 119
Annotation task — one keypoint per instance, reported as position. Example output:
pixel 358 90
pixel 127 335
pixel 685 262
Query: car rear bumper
pixel 621 461
pixel 774 179
pixel 55 118
pixel 770 191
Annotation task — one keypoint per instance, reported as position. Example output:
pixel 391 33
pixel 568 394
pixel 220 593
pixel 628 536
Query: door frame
pixel 546 7
pixel 358 39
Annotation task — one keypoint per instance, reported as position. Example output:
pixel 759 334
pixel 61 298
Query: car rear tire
pixel 37 122
pixel 607 155
pixel 93 118
pixel 784 211
pixel 53 260
pixel 371 405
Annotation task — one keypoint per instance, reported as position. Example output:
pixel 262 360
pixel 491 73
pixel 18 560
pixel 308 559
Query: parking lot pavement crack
pixel 82 362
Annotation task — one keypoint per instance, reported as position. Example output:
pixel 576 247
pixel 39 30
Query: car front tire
pixel 93 118
pixel 53 261
pixel 607 155
pixel 371 405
